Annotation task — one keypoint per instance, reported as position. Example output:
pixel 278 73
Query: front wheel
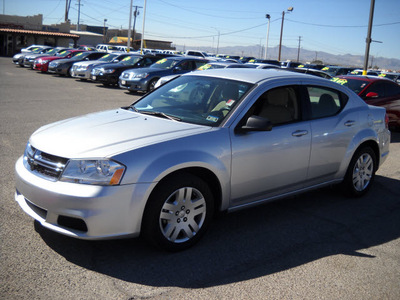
pixel 361 172
pixel 152 84
pixel 178 212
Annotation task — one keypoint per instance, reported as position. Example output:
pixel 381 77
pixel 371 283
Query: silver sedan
pixel 209 141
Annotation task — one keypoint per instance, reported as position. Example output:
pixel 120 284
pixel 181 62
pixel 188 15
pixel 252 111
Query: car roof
pixel 251 75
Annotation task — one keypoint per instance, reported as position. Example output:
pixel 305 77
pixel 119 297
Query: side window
pixel 392 89
pixel 325 102
pixel 379 88
pixel 279 105
pixel 186 65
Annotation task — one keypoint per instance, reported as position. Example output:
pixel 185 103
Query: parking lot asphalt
pixel 319 245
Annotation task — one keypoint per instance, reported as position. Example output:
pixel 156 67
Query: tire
pixel 151 85
pixel 178 212
pixel 361 172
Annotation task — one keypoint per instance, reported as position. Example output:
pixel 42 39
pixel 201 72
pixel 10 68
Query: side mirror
pixel 372 95
pixel 256 123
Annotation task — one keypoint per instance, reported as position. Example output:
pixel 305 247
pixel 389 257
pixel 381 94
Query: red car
pixel 42 63
pixel 376 91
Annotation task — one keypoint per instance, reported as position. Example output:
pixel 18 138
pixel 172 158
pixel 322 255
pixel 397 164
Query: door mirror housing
pixel 256 123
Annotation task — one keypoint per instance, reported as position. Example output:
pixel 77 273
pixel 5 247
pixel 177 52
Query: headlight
pixel 43 61
pixel 142 75
pixel 108 71
pixel 97 172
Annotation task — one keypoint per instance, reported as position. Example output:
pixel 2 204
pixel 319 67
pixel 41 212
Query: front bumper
pixel 133 85
pixel 80 210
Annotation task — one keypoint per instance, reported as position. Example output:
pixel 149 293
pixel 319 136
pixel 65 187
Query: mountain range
pixel 306 56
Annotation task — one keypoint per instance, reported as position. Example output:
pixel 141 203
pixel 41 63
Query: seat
pixel 326 106
pixel 275 107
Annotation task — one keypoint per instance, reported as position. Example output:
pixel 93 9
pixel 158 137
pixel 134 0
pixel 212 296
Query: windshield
pixel 80 55
pixel 355 85
pixel 130 60
pixel 108 57
pixel 63 53
pixel 194 99
pixel 164 64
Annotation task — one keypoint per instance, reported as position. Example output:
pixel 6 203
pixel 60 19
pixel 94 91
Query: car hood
pixel 105 134
pixel 149 70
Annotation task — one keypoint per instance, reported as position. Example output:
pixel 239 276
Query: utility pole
pixel 368 40
pixel 280 40
pixel 135 14
pixel 67 6
pixel 298 50
pixel 79 15
pixel 128 44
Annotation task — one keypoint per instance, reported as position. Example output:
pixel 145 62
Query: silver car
pixel 208 141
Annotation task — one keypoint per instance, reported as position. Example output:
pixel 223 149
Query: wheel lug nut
pixel 179 220
pixel 184 219
pixel 182 208
pixel 188 211
pixel 177 213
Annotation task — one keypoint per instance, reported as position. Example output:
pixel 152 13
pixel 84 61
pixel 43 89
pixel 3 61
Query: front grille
pixel 44 164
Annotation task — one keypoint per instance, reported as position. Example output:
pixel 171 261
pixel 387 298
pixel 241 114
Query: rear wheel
pixel 178 212
pixel 361 172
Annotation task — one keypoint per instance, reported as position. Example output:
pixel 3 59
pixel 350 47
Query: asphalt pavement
pixel 319 245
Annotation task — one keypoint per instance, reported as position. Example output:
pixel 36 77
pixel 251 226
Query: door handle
pixel 349 123
pixel 299 133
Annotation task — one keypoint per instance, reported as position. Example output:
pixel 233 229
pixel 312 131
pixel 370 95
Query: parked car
pixel 64 66
pixel 107 48
pixel 391 75
pixel 36 49
pixel 208 66
pixel 213 141
pixel 337 70
pixel 369 72
pixel 144 80
pixel 83 69
pixel 264 61
pixel 43 51
pixel 108 74
pixel 42 63
pixel 376 91
pixel 31 48
pixel 310 72
pixel 30 58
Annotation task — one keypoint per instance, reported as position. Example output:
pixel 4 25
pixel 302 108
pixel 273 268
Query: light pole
pixel 280 40
pixel 104 31
pixel 217 40
pixel 266 45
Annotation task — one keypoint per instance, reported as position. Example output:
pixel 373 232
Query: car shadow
pixel 251 243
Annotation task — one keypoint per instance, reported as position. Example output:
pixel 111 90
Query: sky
pixel 338 27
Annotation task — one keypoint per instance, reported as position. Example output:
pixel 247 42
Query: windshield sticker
pixel 126 58
pixel 204 67
pixel 63 52
pixel 79 54
pixel 230 102
pixel 301 66
pixel 105 56
pixel 212 119
pixel 161 61
pixel 325 69
pixel 252 60
pixel 338 80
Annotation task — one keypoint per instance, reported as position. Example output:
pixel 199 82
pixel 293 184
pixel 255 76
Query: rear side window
pixel 325 102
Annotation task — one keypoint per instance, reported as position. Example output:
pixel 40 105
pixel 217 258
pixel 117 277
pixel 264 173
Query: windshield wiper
pixel 157 113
